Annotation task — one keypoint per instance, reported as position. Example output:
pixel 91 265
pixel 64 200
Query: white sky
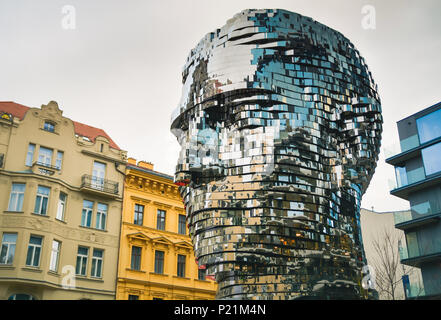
pixel 120 68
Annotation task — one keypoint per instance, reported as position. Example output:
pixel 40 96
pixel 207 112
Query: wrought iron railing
pixel 99 184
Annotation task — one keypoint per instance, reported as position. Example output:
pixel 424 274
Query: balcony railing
pixel 415 217
pixel 99 184
pixel 414 291
pixel 415 253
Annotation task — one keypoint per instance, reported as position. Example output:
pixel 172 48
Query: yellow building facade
pixel 156 258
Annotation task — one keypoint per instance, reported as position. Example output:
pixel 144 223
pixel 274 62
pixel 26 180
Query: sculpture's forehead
pixel 264 50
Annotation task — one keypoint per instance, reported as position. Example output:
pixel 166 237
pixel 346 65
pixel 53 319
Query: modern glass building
pixel 418 180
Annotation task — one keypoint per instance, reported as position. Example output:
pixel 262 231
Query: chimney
pixel 131 161
pixel 146 165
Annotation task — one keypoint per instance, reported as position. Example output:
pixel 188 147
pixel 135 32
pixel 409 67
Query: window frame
pixel 55 254
pixel 87 212
pixel 138 213
pixel 97 264
pixel 63 204
pixel 83 259
pixel 40 201
pixel 159 262
pixel 135 258
pixel 161 219
pixel 59 160
pixel 180 272
pixel 30 154
pixel 182 225
pixel 32 247
pixel 18 204
pixel 101 216
pixel 49 126
pixel 44 156
pixel 8 245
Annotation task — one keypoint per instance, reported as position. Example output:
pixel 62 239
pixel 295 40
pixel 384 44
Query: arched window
pixel 21 296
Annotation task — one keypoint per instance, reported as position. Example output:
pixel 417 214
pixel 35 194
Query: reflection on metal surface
pixel 280 127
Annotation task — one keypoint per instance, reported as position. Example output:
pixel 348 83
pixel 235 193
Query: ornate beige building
pixel 61 185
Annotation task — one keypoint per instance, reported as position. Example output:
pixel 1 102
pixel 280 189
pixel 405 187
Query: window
pixel 101 216
pixel 86 216
pixel 49 126
pixel 97 263
pixel 136 258
pixel 431 156
pixel 16 197
pixel 7 252
pixel 30 154
pixel 82 256
pixel 159 262
pixel 181 226
pixel 34 251
pixel 160 222
pixel 98 175
pixel 201 274
pixel 21 296
pixel 139 214
pixel 45 156
pixel 181 266
pixel 41 201
pixel 61 206
pixel 55 255
pixel 59 160
pixel 133 297
pixel 429 126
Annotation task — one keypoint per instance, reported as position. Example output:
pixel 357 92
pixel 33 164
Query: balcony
pixel 410 219
pixel 414 181
pixel 417 254
pixel 44 168
pixel 415 291
pixel 99 186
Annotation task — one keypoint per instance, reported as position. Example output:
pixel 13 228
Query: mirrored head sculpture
pixel 280 126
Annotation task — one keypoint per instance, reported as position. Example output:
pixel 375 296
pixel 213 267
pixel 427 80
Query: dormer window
pixel 49 126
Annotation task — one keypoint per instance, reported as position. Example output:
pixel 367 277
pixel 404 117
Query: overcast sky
pixel 120 68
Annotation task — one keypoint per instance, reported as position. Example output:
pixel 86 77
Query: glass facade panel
pixel 401 175
pixel 432 158
pixel 415 175
pixel 409 143
pixel 429 126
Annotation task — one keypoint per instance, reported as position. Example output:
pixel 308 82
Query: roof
pixel 156 173
pixel 19 111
